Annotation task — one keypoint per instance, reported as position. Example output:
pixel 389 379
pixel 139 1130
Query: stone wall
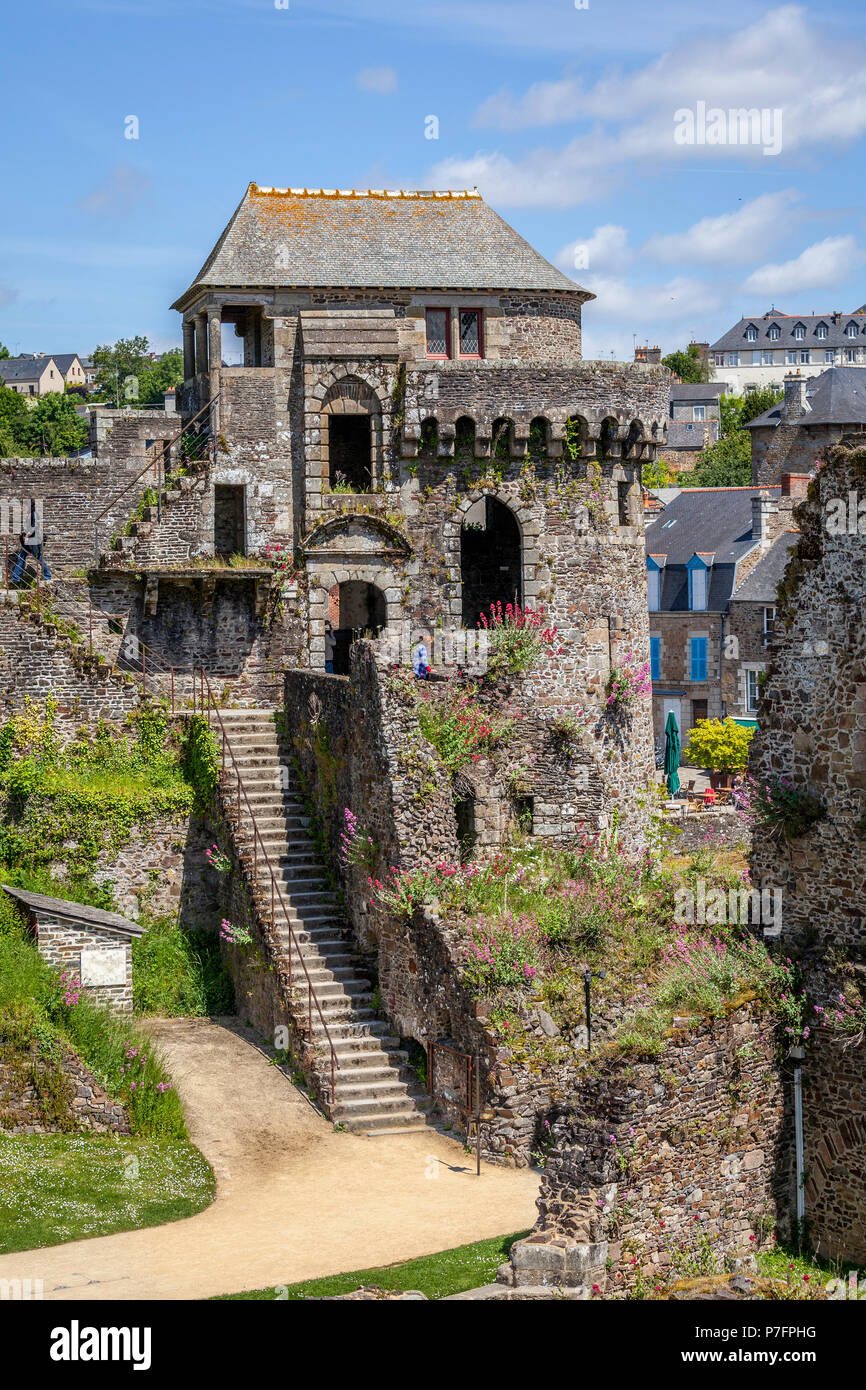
pixel 660 1165
pixel 61 943
pixel 89 1105
pixel 37 661
pixel 812 731
pixel 790 447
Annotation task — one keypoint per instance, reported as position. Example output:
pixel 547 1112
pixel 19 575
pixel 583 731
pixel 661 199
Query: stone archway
pixel 356 608
pixel 346 416
pixel 451 540
pixel 834 1190
pixel 491 559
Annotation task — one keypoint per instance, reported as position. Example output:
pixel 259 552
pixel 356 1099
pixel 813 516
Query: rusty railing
pixel 210 709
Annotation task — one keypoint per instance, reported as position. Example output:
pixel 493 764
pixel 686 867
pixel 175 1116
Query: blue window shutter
pixel 699 658
pixel 655 658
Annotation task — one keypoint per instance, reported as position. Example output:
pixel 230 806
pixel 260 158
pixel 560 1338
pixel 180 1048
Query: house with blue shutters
pixel 702 545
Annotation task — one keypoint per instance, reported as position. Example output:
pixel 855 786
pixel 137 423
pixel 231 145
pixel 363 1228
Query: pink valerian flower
pixel 217 859
pixel 233 935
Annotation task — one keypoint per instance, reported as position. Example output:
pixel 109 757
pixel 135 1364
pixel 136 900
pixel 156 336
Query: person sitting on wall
pixel 330 647
pixel 419 659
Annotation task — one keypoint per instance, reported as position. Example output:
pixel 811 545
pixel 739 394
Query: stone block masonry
pixel 812 732
pixel 666 1168
pixel 89 1105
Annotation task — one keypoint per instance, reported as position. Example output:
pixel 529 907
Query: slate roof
pixel 76 912
pixel 288 237
pixel 697 391
pixel 762 583
pixel 735 339
pixel 689 434
pixel 705 520
pixel 24 368
pixel 836 397
pixel 65 361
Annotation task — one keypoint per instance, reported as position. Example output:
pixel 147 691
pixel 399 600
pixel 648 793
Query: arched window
pixel 576 435
pixel 607 437
pixel 502 438
pixel 350 430
pixel 491 559
pixel 539 437
pixel 464 437
pixel 428 443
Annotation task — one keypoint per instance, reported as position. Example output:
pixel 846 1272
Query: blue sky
pixel 563 116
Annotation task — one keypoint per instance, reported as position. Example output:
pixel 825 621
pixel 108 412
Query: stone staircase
pixel 375 1091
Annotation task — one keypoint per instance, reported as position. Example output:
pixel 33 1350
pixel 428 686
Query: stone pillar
pixel 215 340
pixel 200 344
pixel 188 349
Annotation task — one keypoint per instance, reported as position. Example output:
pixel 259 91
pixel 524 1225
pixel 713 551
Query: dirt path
pixel 295 1200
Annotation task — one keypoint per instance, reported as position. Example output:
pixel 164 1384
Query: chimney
pixel 794 484
pixel 795 396
pixel 762 505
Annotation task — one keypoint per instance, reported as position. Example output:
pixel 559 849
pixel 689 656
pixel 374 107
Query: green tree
pixel 160 376
pixel 54 427
pixel 721 746
pixel 657 474
pixel 4 351
pixel 119 368
pixel 688 364
pixel 728 462
pixel 13 417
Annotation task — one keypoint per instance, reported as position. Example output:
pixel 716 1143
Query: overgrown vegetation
pixel 459 728
pixel 179 971
pixel 66 803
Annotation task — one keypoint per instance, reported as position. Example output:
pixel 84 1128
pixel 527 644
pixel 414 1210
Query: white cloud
pixel 620 299
pixel 730 238
pixel 820 267
pixel 122 189
pixel 382 80
pixel 783 61
pixel 606 250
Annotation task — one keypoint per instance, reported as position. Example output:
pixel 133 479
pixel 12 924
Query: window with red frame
pixel 470 333
pixel 438 326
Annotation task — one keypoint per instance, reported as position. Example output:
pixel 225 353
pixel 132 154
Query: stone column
pixel 215 340
pixel 188 349
pixel 200 344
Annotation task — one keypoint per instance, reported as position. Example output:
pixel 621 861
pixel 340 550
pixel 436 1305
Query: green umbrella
pixel 672 754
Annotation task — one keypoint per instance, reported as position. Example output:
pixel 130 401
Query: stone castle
pixel 410 436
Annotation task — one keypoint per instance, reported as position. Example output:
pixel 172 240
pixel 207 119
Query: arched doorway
pixel 356 609
pixel 490 558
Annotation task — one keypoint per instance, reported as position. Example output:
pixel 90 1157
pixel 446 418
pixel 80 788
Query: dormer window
pixel 799 332
pixel 698 571
pixel 653 584
pixel 775 332
pixel 821 331
pixel 852 330
pixel 751 334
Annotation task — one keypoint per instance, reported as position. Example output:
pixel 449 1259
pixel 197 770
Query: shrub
pixel 518 637
pixel 780 806
pixel 628 683
pixel 459 729
pixel 179 972
pixel 721 745
pixel 505 954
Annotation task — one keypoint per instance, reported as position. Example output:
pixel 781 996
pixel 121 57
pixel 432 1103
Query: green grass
pixel 447 1272
pixel 60 1187
pixel 798 1267
pixel 179 972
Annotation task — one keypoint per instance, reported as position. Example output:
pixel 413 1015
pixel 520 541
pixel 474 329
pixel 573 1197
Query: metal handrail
pixel 153 462
pixel 209 704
